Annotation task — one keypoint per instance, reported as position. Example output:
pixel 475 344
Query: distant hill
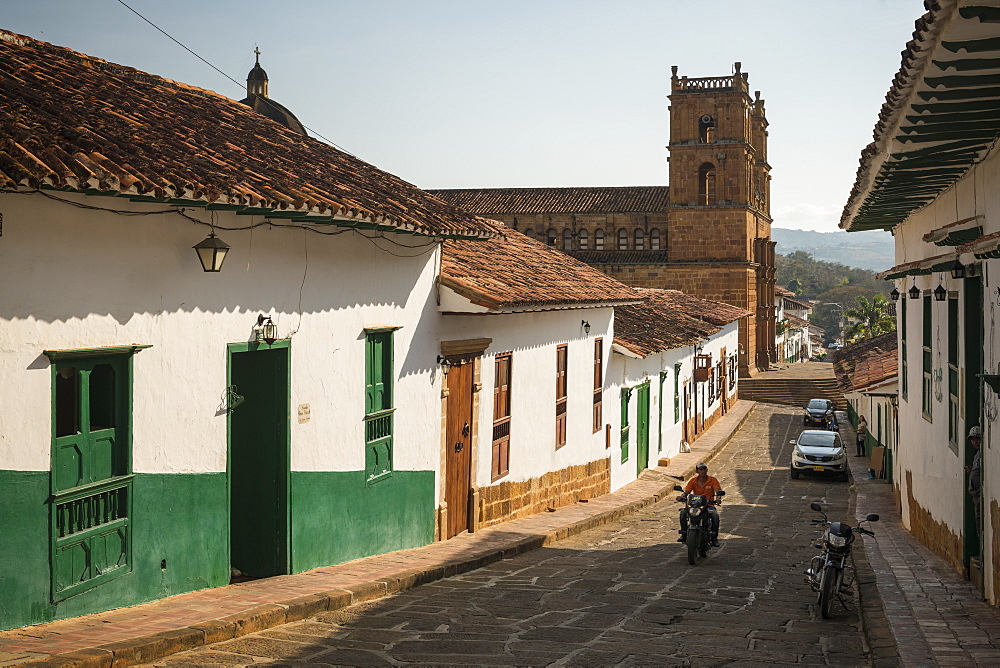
pixel 866 250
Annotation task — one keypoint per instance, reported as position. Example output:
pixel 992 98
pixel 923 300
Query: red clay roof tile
pixel 68 120
pixel 516 271
pixel 670 319
pixel 496 201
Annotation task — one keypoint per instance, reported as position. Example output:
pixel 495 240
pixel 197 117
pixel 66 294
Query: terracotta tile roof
pixel 620 257
pixel 712 312
pixel 495 201
pixel 796 305
pixel 796 323
pixel 72 121
pixel 670 319
pixel 517 272
pixel 784 292
pixel 866 363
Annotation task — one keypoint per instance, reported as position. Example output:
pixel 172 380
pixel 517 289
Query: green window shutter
pixel 379 374
pixel 904 369
pixel 90 540
pixel 677 393
pixel 626 393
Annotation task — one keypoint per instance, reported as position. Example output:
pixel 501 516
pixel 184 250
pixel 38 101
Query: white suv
pixel 819 452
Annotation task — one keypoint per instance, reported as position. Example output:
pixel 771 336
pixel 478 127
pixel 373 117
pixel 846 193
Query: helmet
pixel 701 465
pixel 975 432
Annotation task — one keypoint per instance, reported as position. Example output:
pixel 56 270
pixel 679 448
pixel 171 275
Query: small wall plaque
pixel 303 413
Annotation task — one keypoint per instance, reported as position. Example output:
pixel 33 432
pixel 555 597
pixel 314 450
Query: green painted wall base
pixel 180 535
pixel 336 518
pixel 179 518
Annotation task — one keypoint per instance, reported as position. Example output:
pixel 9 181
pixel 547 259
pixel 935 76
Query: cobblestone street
pixel 620 594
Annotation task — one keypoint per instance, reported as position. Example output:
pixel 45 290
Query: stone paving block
pixel 215 630
pixel 256 619
pixel 83 658
pixel 271 648
pixel 305 606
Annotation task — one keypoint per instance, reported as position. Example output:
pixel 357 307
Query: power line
pixel 178 43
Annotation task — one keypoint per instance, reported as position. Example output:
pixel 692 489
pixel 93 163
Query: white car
pixel 819 452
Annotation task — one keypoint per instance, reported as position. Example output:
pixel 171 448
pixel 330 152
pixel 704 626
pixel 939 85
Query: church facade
pixel 707 234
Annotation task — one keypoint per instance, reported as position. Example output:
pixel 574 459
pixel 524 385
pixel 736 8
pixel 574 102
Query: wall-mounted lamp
pixel 266 330
pixel 586 326
pixel 914 292
pixel 957 269
pixel 894 294
pixel 212 252
pixel 940 294
pixel 445 363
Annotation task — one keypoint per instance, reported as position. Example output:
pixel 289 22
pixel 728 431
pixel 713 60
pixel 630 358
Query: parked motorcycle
pixel 832 572
pixel 699 533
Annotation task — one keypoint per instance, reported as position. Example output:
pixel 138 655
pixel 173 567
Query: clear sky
pixel 522 93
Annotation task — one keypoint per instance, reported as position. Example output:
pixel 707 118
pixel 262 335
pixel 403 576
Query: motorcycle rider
pixel 707 485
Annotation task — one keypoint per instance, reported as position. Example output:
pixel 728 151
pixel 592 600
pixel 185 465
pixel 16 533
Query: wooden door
pixel 259 463
pixel 642 429
pixel 458 432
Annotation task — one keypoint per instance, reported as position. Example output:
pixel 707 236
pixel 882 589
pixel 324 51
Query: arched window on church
pixel 550 237
pixel 530 233
pixel 654 239
pixel 567 239
pixel 706 129
pixel 598 239
pixel 583 240
pixel 623 239
pixel 706 184
pixel 640 241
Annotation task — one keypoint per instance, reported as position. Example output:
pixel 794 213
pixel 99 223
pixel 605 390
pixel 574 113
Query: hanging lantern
pixel 212 252
pixel 914 292
pixel 894 294
pixel 957 269
pixel 267 331
pixel 940 294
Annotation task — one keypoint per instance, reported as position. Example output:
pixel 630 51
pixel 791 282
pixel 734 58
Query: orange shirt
pixel 709 489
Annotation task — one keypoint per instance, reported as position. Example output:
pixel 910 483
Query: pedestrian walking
pixel 862 433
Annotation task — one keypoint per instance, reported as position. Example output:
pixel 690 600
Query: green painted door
pixel 642 428
pixel 259 462
pixel 973 289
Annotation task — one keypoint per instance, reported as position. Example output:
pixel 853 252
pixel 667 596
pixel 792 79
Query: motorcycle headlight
pixel 837 541
pixel 694 512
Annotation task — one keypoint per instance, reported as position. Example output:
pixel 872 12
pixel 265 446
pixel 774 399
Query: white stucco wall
pixel 532 338
pixel 938 480
pixel 629 372
pixel 78 278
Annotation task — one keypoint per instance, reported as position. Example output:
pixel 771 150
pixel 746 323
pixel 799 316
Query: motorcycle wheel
pixel 693 539
pixel 827 591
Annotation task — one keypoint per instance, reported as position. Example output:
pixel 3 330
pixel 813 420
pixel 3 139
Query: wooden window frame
pixel 677 392
pixel 584 240
pixel 562 391
pixel 598 413
pixel 639 239
pixel 599 240
pixel 92 511
pixel 953 374
pixel 500 460
pixel 622 243
pixel 654 239
pixel 903 367
pixel 626 394
pixel 379 405
pixel 927 386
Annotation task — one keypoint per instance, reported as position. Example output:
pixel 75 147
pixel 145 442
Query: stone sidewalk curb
pixel 147 648
pixel 874 621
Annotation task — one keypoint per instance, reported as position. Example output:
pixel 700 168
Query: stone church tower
pixel 707 235
pixel 719 210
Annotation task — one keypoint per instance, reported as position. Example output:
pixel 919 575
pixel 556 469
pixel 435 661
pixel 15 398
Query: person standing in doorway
pixel 862 433
pixel 976 476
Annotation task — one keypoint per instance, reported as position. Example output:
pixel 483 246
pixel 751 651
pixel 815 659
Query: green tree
pixel 870 318
pixel 795 285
